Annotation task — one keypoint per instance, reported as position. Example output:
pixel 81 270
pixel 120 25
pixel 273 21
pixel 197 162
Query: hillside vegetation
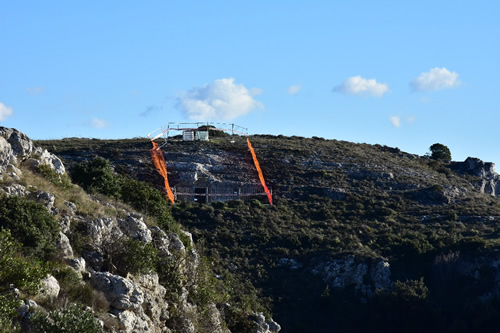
pixel 360 237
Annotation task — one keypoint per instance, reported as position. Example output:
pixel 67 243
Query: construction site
pixel 213 178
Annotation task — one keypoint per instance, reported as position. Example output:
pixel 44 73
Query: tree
pixel 97 176
pixel 440 152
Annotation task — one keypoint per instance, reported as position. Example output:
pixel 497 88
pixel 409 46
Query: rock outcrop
pixel 366 277
pixel 489 180
pixel 16 147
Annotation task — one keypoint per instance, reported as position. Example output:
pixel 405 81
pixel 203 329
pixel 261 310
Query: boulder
pixel 161 241
pixel 134 227
pixel 45 198
pixel 64 246
pixel 122 293
pixel 78 264
pixel 104 229
pixel 133 322
pixel 21 145
pixel 264 326
pixel 50 287
pixel 49 159
pixel 65 224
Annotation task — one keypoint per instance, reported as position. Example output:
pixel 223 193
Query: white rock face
pixel 5 154
pixel 15 145
pixel 21 145
pixel 64 246
pixel 155 306
pixel 49 159
pixel 133 322
pixel 134 227
pixel 104 229
pixel 340 273
pixel 45 198
pixel 264 326
pixel 122 293
pixel 78 264
pixel 17 190
pixel 50 287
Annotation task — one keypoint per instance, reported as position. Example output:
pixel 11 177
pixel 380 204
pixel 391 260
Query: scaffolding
pixel 211 192
pixel 219 193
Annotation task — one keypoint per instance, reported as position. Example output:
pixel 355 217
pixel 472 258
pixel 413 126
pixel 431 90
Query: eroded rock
pixel 122 293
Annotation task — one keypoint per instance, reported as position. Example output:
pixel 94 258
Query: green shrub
pixel 61 181
pixel 23 272
pixel 139 257
pixel 97 176
pixel 73 319
pixel 148 200
pixel 31 224
pixel 8 311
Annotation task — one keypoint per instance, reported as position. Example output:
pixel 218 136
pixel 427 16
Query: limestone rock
pixel 45 198
pixel 161 241
pixel 155 306
pixel 122 293
pixel 5 154
pixel 104 229
pixel 176 243
pixel 64 246
pixel 133 322
pixel 263 326
pixel 50 287
pixel 71 207
pixel 365 277
pixel 78 264
pixel 134 227
pixel 17 190
pixel 14 172
pixel 65 224
pixel 49 159
pixel 489 182
pixel 21 145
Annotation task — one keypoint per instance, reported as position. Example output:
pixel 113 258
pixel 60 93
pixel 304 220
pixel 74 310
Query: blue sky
pixel 398 73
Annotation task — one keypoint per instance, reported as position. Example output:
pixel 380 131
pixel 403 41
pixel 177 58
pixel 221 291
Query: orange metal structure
pixel 261 176
pixel 161 167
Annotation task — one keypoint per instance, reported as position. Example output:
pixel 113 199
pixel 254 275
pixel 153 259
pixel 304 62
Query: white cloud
pixel 435 79
pixel 395 121
pixel 293 90
pixel 5 111
pixel 220 100
pixel 99 123
pixel 358 85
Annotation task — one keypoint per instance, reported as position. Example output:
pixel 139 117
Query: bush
pixel 24 273
pixel 31 224
pixel 147 200
pixel 8 311
pixel 73 319
pixel 97 176
pixel 139 257
pixel 61 181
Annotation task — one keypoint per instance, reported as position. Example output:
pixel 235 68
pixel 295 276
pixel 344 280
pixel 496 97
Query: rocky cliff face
pixel 489 180
pixel 137 302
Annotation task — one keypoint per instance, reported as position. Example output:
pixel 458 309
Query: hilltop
pixel 361 237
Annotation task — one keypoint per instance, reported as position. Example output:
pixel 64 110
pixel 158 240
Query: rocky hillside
pixel 360 237
pixel 77 262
